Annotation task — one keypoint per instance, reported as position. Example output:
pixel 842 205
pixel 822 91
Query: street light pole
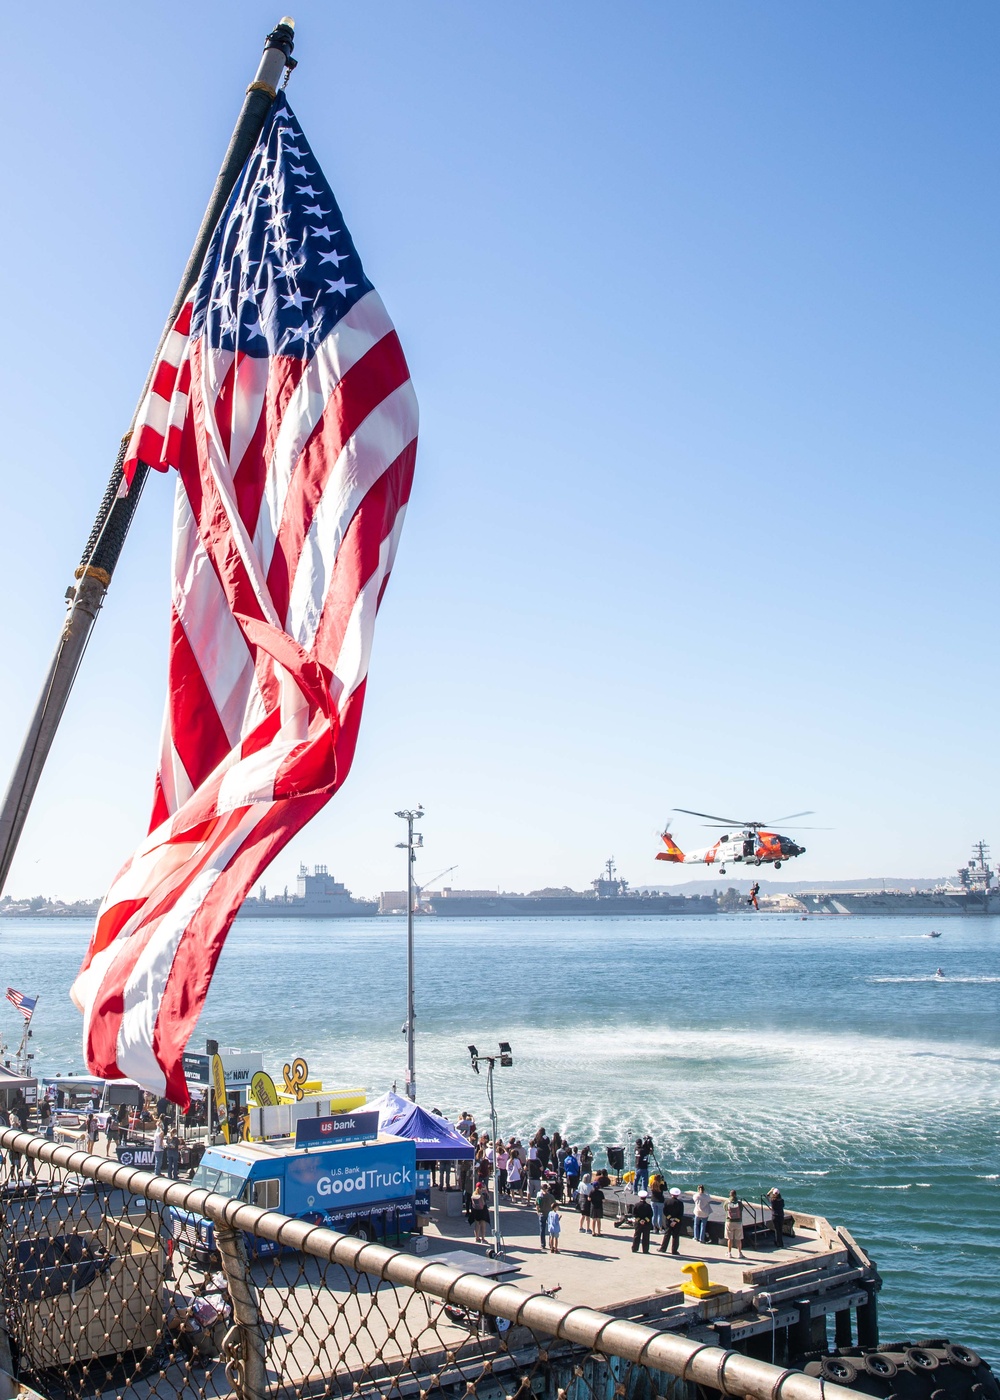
pixel 414 840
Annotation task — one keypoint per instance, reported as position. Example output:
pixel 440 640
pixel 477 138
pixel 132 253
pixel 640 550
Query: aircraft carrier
pixel 973 893
pixel 609 895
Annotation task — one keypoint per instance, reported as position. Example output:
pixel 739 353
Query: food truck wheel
pixel 362 1231
pixel 499 1326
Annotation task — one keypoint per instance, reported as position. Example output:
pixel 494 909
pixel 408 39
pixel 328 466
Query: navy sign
pixel 337 1130
pixel 135 1156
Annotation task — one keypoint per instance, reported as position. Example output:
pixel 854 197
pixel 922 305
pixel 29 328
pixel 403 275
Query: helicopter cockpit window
pixel 724 838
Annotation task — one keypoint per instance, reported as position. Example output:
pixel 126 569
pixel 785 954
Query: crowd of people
pixel 551 1171
pixel 153 1123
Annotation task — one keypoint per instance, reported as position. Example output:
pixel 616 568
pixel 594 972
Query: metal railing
pixel 97 1300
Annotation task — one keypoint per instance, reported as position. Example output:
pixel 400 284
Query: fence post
pixel 250 1382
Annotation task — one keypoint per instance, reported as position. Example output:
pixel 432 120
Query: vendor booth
pixel 438 1144
pixel 436 1139
pixel 16 1087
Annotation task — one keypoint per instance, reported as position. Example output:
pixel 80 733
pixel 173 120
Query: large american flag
pixel 283 400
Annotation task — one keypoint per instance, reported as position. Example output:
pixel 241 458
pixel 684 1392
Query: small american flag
pixel 283 401
pixel 22 1001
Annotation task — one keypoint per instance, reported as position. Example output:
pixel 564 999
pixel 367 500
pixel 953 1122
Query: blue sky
pixel 700 302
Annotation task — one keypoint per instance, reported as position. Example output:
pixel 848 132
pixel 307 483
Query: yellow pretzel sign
pixel 296 1075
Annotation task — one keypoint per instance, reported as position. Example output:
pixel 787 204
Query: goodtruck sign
pixel 348 1177
pixel 337 1130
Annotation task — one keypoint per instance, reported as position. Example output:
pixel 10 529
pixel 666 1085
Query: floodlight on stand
pixel 506 1059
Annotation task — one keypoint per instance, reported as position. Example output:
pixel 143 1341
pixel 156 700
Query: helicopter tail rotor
pixel 673 852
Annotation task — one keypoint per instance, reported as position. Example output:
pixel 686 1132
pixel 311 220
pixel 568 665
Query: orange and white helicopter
pixel 746 842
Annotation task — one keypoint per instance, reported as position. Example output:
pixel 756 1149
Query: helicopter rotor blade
pixel 791 817
pixel 759 826
pixel 722 821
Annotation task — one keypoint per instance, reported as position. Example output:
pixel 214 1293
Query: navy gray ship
pixel 318 895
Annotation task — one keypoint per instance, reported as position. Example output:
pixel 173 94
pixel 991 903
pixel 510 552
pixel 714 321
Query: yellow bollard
pixel 698 1285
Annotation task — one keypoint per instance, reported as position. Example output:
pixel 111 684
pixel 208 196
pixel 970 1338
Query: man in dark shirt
pixel 544 1202
pixel 642 1214
pixel 641 1165
pixel 777 1203
pixel 673 1219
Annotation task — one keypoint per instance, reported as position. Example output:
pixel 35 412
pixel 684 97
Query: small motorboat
pixel 934 933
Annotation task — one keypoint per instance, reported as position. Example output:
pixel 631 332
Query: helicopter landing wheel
pixel 722 870
pixel 777 865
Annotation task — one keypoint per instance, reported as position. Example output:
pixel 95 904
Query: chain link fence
pixel 104 1294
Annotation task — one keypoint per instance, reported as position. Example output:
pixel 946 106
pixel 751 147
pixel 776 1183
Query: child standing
pixel 555 1226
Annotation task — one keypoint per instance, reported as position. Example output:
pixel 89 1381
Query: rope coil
pixel 91 571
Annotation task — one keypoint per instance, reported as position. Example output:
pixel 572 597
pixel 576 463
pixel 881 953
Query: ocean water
pixel 821 1055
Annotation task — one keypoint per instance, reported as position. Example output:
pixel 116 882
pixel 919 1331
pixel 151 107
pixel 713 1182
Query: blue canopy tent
pixel 436 1139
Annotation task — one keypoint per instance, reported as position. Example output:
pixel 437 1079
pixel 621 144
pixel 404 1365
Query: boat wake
pixel 948 977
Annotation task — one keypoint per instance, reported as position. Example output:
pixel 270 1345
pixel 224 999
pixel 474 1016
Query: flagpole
pixel 94 572
pixel 22 1050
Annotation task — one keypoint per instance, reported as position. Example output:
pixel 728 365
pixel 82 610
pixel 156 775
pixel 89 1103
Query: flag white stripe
pixel 364 326
pixel 213 634
pixel 221 474
pixel 147 982
pixel 250 391
pixel 252 779
pixel 356 647
pixel 379 440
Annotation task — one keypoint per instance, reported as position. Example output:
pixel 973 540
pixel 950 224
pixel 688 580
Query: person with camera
pixel 643 1148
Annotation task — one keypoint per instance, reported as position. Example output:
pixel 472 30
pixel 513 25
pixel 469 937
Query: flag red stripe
pixel 359 554
pixel 199 738
pixel 108 1008
pixel 223 409
pixel 205 935
pixel 361 390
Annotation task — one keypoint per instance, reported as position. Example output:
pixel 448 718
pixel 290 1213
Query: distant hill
pixel 791 885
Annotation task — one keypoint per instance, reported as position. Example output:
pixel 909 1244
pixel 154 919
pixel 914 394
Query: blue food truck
pixel 362 1189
